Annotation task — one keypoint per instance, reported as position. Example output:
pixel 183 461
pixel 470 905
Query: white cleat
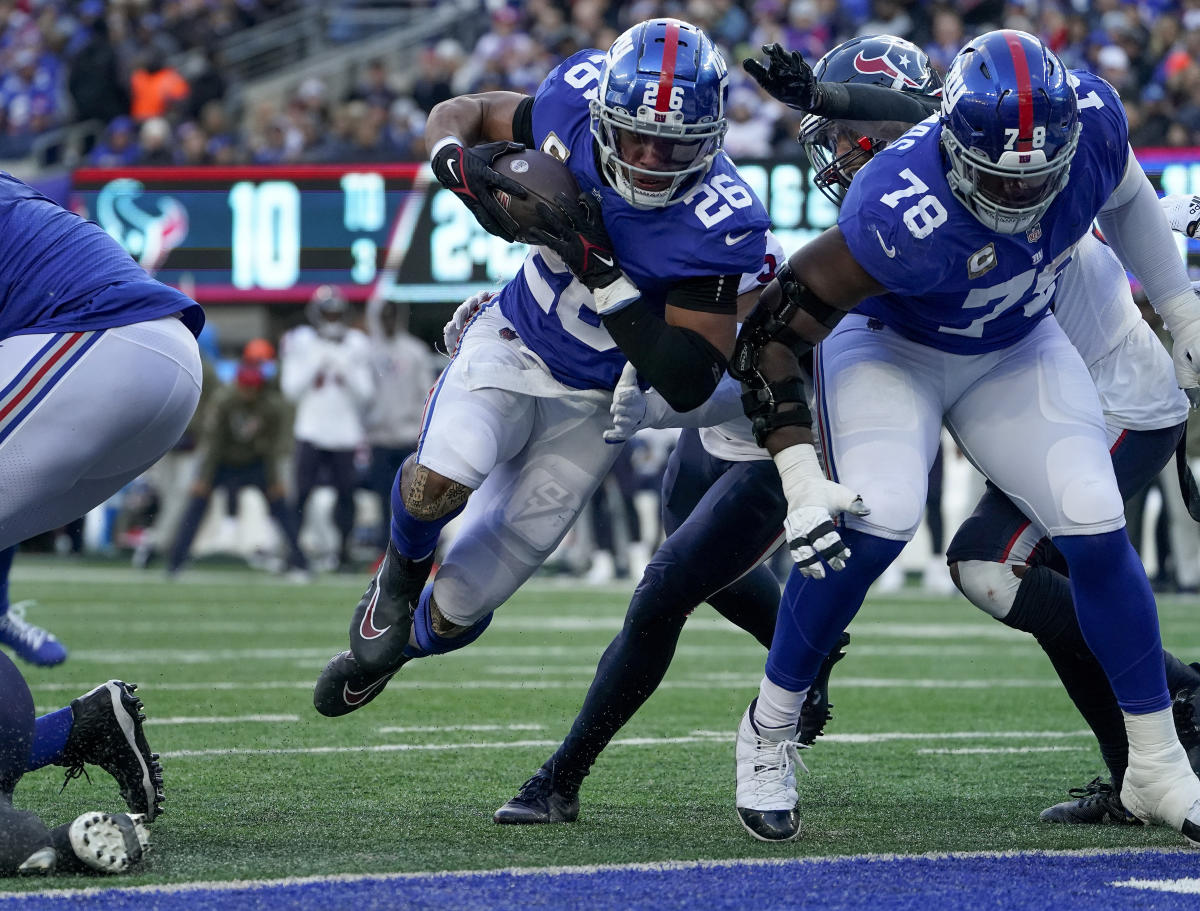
pixel 766 779
pixel 110 842
pixel 1161 788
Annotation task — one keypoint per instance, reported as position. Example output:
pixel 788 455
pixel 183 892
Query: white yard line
pixel 711 681
pixel 694 737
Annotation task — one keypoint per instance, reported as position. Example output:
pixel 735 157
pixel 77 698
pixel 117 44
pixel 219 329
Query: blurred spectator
pixel 432 83
pixel 750 126
pixel 117 147
pixel 243 434
pixel 156 89
pixel 403 378
pixel 96 83
pixel 324 370
pixel 154 143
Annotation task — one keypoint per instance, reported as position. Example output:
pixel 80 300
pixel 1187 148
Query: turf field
pixel 950 734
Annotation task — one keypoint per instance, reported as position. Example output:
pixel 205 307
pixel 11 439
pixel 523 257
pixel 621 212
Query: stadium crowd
pixel 151 72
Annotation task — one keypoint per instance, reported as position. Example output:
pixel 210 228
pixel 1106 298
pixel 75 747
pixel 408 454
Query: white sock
pixel 777 707
pixel 1151 733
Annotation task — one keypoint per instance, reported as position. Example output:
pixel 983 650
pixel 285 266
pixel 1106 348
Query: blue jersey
pixel 62 273
pixel 718 229
pixel 954 284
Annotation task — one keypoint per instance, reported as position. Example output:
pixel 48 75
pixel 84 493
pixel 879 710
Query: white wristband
pixel 798 468
pixel 616 295
pixel 1179 310
pixel 442 143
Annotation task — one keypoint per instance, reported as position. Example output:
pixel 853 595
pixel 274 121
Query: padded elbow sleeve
pixel 682 365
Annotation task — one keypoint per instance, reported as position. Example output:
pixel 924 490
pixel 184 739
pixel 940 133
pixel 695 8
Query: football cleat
pixel 766 779
pixel 383 619
pixel 107 731
pixel 1183 708
pixel 817 709
pixel 109 842
pixel 540 800
pixel 31 643
pixel 1160 787
pixel 1096 803
pixel 343 686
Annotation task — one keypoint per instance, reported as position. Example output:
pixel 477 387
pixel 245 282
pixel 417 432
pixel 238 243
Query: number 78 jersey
pixel 954 284
pixel 719 228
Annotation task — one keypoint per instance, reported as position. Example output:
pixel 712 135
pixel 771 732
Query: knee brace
pixel 991 587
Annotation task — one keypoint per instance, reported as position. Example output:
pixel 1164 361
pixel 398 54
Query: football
pixel 542 175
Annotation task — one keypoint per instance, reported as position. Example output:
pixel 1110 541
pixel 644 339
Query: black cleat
pixel 539 801
pixel 770 825
pixel 817 709
pixel 107 731
pixel 343 686
pixel 109 842
pixel 1184 707
pixel 383 619
pixel 1095 804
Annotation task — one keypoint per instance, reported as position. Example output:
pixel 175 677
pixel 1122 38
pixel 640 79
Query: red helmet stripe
pixel 1024 92
pixel 667 80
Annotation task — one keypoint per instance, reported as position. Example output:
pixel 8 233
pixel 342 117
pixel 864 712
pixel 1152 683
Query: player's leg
pixel 256 474
pixel 29 642
pixel 1040 398
pixel 703 499
pixel 467 430
pixel 85 414
pixel 344 476
pixel 879 410
pixel 25 843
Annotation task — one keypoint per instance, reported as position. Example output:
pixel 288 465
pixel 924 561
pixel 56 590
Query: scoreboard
pixel 267 234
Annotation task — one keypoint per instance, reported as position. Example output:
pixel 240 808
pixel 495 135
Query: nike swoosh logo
pixel 450 163
pixel 733 239
pixel 890 251
pixel 367 628
pixel 358 697
pixel 607 262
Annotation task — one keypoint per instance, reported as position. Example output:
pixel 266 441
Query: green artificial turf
pixel 229 643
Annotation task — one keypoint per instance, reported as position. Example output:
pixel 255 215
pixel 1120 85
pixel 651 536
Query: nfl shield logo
pixel 1034 234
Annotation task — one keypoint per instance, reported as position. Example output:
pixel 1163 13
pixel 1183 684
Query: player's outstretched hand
pixel 467 309
pixel 813 502
pixel 1183 212
pixel 468 173
pixel 1185 352
pixel 786 77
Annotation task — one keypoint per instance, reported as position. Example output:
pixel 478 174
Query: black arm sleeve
pixel 858 101
pixel 523 123
pixel 681 364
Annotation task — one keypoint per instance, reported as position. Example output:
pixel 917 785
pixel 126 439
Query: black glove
pixel 575 231
pixel 469 175
pixel 786 78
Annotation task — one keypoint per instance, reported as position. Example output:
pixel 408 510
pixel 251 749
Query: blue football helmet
pixel 835 151
pixel 1010 126
pixel 659 118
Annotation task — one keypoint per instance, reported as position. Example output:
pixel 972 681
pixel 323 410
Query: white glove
pixel 628 409
pixel 1185 352
pixel 468 308
pixel 812 502
pixel 1183 213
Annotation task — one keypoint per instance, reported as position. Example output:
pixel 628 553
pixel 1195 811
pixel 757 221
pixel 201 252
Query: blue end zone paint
pixel 883 883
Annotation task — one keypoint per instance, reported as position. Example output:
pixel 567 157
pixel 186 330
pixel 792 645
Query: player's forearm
pixel 1134 225
pixel 681 364
pixel 884 111
pixel 472 119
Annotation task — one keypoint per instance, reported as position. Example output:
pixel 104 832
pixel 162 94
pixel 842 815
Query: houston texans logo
pixel 872 65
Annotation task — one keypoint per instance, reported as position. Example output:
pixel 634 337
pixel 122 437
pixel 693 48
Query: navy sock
pixel 429 642
pixel 814 612
pixel 50 738
pixel 1043 608
pixel 1118 617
